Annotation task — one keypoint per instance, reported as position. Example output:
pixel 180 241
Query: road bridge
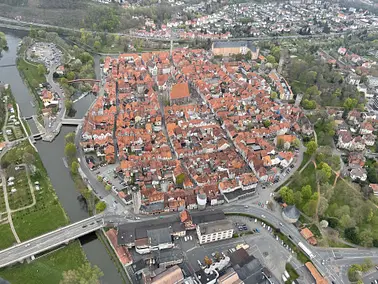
pixel 83 80
pixel 7 65
pixel 72 121
pixel 61 236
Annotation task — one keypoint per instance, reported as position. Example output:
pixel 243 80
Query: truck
pixel 286 274
pixel 284 278
pixel 307 251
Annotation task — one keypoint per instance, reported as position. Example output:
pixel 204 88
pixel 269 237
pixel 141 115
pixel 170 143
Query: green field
pixel 30 73
pixel 6 236
pixel 22 197
pixel 36 220
pixel 47 269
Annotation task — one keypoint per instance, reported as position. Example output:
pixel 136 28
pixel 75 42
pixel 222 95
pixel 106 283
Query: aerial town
pixel 197 142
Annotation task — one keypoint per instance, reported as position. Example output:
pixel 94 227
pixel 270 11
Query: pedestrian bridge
pixel 72 121
pixel 64 235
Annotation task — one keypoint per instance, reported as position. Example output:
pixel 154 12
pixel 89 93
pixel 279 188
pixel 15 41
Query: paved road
pixel 26 25
pixel 290 231
pixel 55 238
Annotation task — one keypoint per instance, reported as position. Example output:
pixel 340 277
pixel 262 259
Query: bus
pixel 306 250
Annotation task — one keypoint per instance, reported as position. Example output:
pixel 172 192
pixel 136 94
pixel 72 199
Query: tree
pixel 310 208
pixel 97 45
pixel 70 76
pixel 248 56
pixel 352 235
pixel 306 192
pixel 298 199
pixel 267 123
pixel 180 179
pixel 287 194
pixel 74 167
pixel 270 59
pixel 69 105
pixel 311 147
pixel 99 178
pixel 372 174
pixel 273 95
pixel 366 238
pixel 323 205
pixel 100 206
pixel 308 104
pixel 108 187
pixel 296 143
pixel 85 274
pixel 354 273
pixel 70 137
pixel 350 103
pixel 326 171
pixel 280 143
pixel 70 151
pixel 208 261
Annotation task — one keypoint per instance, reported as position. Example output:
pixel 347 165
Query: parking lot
pixel 259 238
pixel 45 53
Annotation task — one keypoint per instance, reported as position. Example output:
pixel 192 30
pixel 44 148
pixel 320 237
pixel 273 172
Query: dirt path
pixel 10 221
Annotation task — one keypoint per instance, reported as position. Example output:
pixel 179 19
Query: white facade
pixel 214 231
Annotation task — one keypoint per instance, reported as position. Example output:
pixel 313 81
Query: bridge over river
pixel 64 235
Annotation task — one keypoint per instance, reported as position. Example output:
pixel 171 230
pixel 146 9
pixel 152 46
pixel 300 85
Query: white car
pixel 191 238
pixel 185 239
pixel 255 220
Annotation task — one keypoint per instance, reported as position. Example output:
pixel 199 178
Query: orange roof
pixel 180 91
pixel 286 138
pixel 306 233
pixel 315 273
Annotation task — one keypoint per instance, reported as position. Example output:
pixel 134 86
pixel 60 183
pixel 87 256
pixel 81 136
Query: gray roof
pixel 292 212
pixel 215 227
pixel 159 236
pixel 230 44
pixel 211 215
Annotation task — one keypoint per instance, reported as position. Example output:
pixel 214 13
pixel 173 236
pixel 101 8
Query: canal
pixel 52 156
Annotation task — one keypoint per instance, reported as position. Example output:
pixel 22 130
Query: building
pixel 172 275
pixel 179 94
pixel 227 48
pixel 214 231
pixel 249 268
pixel 374 187
pixel 206 278
pixel 309 236
pixel 167 258
pixel 231 277
pixel 315 274
pixel 291 214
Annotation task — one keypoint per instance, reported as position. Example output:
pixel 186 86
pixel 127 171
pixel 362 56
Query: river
pixel 52 154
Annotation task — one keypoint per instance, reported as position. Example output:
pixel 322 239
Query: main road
pixel 290 231
pixel 53 239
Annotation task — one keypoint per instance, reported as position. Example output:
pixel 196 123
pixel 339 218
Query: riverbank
pixel 51 155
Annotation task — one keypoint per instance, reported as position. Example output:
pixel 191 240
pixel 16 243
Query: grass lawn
pixel 22 197
pixel 306 158
pixel 308 176
pixel 36 220
pixel 47 269
pixel 6 236
pixel 30 73
pixel 2 202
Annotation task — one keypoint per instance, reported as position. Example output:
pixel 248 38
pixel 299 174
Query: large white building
pixel 214 231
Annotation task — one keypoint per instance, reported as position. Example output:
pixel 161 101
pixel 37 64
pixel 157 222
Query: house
pixel 342 50
pixel 172 275
pixel 374 187
pixel 179 94
pixel 309 236
pixel 356 159
pixel 358 174
pixel 227 48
